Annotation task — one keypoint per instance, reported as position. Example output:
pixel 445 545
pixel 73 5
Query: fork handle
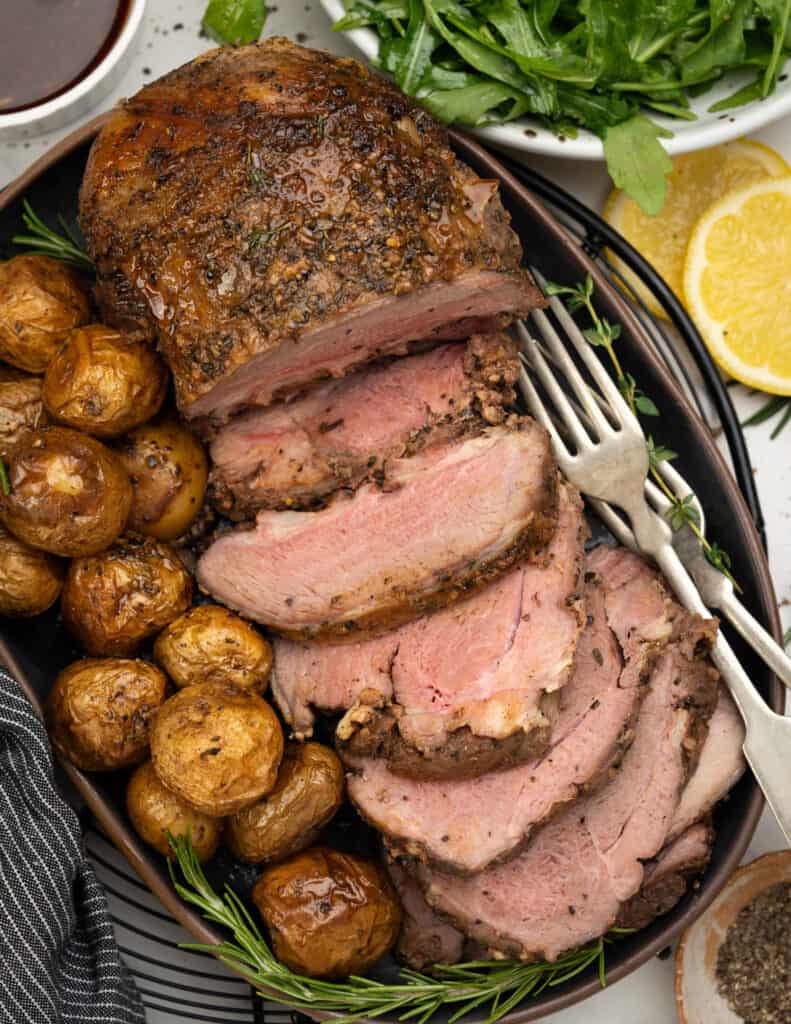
pixel 764 645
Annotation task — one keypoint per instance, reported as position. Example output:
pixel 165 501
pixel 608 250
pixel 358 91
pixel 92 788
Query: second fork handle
pixel 764 645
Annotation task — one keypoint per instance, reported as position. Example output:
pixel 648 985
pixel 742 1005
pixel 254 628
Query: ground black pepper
pixel 754 961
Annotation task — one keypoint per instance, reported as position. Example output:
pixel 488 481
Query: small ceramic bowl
pixel 697 998
pixel 85 94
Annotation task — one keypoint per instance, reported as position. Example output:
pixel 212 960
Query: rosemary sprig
pixel 5 484
pixel 43 241
pixel 498 986
pixel 776 404
pixel 604 334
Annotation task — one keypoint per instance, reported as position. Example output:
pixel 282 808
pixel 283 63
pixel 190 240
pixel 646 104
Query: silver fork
pixel 610 464
pixel 714 587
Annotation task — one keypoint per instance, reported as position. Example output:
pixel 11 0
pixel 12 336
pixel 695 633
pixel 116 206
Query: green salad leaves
pixel 604 65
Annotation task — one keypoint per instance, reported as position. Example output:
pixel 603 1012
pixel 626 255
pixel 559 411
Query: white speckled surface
pixel 170 37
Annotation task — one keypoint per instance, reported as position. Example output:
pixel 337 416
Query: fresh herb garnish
pixel 777 404
pixel 234 22
pixel 5 484
pixel 603 334
pixel 595 63
pixel 43 241
pixel 497 986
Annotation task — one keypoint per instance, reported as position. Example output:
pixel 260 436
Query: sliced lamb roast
pixel 668 876
pixel 274 215
pixel 570 883
pixel 466 825
pixel 296 454
pixel 425 939
pixel 441 523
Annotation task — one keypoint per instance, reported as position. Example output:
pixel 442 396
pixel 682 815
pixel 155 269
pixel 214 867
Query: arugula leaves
pixel 234 22
pixel 600 64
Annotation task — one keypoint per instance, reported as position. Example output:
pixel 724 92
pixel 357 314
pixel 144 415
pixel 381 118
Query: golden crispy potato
pixel 209 644
pixel 112 601
pixel 329 914
pixel 307 794
pixel 69 494
pixel 103 383
pixel 100 710
pixel 154 811
pixel 41 300
pixel 217 747
pixel 30 580
pixel 168 469
pixel 21 410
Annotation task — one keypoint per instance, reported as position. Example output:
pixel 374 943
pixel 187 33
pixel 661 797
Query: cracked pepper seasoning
pixel 754 962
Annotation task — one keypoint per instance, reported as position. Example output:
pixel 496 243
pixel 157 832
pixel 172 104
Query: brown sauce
pixel 47 46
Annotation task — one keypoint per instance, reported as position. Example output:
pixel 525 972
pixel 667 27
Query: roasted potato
pixel 112 601
pixel 329 914
pixel 217 747
pixel 69 494
pixel 307 794
pixel 103 383
pixel 154 811
pixel 209 644
pixel 30 580
pixel 21 410
pixel 99 711
pixel 41 300
pixel 168 469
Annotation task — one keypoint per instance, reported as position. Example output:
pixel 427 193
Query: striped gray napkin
pixel 59 963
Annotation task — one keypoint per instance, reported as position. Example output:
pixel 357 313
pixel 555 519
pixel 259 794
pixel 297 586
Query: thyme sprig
pixel 43 241
pixel 498 986
pixel 603 334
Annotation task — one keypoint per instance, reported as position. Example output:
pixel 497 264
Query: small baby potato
pixel 217 747
pixel 154 811
pixel 307 794
pixel 69 494
pixel 21 410
pixel 30 580
pixel 209 644
pixel 114 600
pixel 103 383
pixel 168 469
pixel 329 914
pixel 41 300
pixel 100 710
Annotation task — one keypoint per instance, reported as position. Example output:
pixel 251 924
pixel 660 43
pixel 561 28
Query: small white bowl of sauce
pixel 60 58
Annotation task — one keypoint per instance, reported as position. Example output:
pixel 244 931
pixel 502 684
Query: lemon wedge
pixel 696 181
pixel 737 283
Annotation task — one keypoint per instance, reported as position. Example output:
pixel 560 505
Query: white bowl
pixel 709 129
pixel 74 103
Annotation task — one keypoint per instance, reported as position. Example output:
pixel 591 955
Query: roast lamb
pixel 425 938
pixel 465 825
pixel 438 525
pixel 296 454
pixel 273 215
pixel 571 882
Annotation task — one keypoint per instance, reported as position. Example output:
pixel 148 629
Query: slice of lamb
pixel 296 454
pixel 453 717
pixel 425 939
pixel 568 886
pixel 444 523
pixel 668 876
pixel 720 767
pixel 465 825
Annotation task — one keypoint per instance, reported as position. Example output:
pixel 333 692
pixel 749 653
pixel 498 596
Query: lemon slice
pixel 696 181
pixel 737 283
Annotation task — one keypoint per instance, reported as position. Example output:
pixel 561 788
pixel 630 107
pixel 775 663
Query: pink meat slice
pixel 518 636
pixel 467 824
pixel 425 939
pixel 294 454
pixel 568 886
pixel 445 521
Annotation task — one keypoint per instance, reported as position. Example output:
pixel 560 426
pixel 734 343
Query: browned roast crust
pixel 257 193
pixel 462 755
pixel 405 605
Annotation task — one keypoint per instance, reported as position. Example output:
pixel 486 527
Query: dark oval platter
pixel 37 649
